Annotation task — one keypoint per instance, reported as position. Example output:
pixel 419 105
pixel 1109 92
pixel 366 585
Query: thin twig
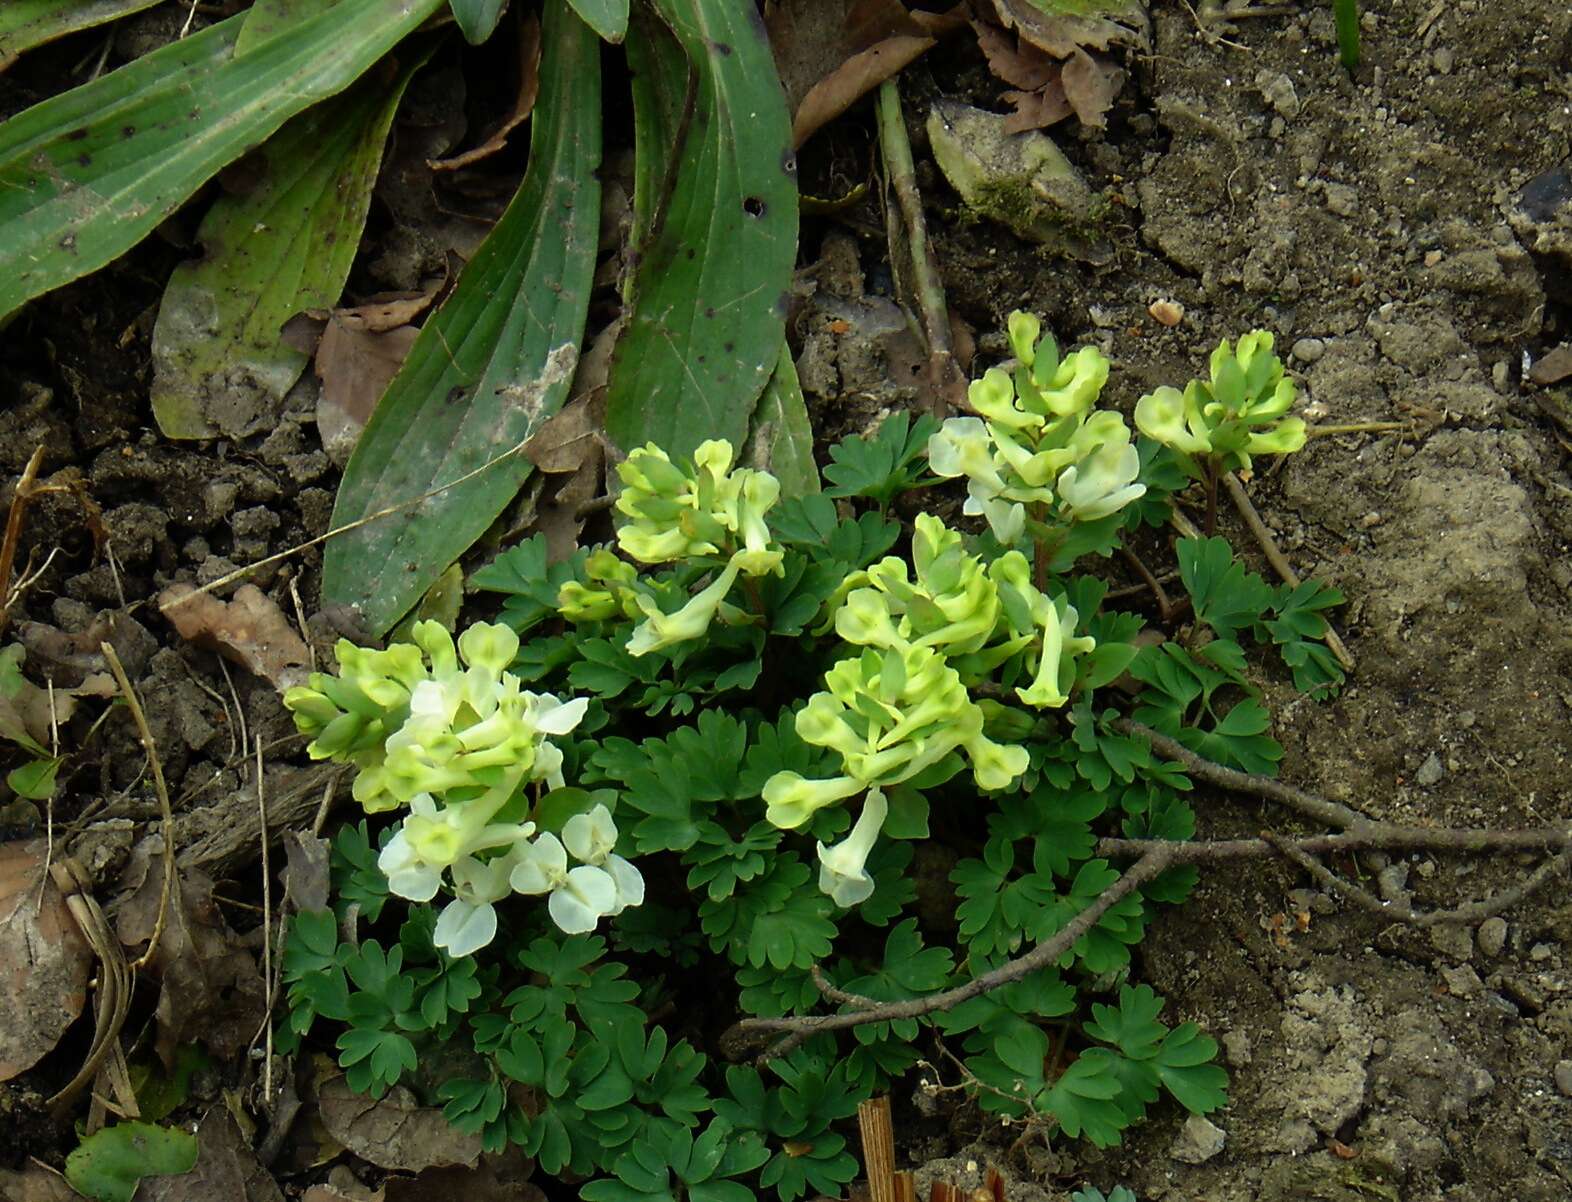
pixel 1402 910
pixel 161 789
pixel 1322 810
pixel 946 385
pixel 798 1030
pixel 1164 604
pixel 13 529
pixel 1278 560
pixel 267 935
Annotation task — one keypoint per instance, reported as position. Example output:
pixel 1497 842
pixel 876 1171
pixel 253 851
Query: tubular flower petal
pixel 1055 660
pixel 1078 382
pixel 843 872
pixel 660 630
pixel 792 799
pixel 1103 481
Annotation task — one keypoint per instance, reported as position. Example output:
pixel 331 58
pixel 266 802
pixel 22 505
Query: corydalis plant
pixel 704 513
pixel 1216 425
pixel 448 732
pixel 1037 449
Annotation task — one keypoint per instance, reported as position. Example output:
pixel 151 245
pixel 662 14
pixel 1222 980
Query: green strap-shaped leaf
pixel 266 19
pixel 715 183
pixel 609 18
pixel 781 440
pixel 466 395
pixel 28 23
pixel 86 175
pixel 477 18
pixel 284 245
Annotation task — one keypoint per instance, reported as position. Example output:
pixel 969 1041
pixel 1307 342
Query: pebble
pixel 1462 981
pixel 1454 942
pixel 1166 312
pixel 1198 1141
pixel 1444 60
pixel 1308 350
pixel 1539 952
pixel 1430 772
pixel 1341 199
pixel 1564 1077
pixel 1492 936
pixel 1236 1048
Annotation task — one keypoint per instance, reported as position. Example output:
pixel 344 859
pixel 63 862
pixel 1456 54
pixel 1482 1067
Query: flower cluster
pixel 1235 414
pixel 1037 442
pixel 709 512
pixel 448 732
pixel 902 707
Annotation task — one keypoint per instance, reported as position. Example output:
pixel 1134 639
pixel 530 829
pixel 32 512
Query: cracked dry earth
pixel 1392 230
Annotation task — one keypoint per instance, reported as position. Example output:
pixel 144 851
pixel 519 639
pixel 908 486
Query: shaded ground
pixel 1375 225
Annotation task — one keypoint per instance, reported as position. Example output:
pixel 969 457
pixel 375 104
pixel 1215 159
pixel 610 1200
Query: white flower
pixel 843 872
pixel 430 840
pixel 582 896
pixel 469 922
pixel 591 838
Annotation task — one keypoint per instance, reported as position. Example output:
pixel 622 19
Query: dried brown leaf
pixel 1021 65
pixel 1061 35
pixel 523 103
pixel 394 1131
pixel 226 1169
pixel 210 987
pixel 249 629
pixel 852 80
pixel 44 961
pixel 35 1182
pixel 504 1177
pixel 1090 86
pixel 568 437
pixel 1553 367
pixel 306 873
pixel 1037 110
pixel 386 311
pixel 67 659
pixel 355 367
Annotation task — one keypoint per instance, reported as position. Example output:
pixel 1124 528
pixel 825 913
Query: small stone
pixel 1166 312
pixel 1454 942
pixel 1308 350
pixel 1444 60
pixel 1432 257
pixel 1393 881
pixel 1236 1048
pixel 1198 1141
pixel 1426 868
pixel 1430 772
pixel 1342 199
pixel 1540 952
pixel 1564 1077
pixel 1492 936
pixel 1462 981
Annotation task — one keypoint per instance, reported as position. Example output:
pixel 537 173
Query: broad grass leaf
pixel 482 374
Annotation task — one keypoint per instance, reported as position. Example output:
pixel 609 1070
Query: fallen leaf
pixel 44 961
pixel 306 872
pixel 501 1177
pixel 27 713
pixel 1090 86
pixel 394 1131
pixel 210 987
pixel 1553 367
pixel 69 659
pixel 852 80
pixel 810 39
pixel 355 367
pixel 226 1169
pixel 1037 110
pixel 35 1182
pixel 249 629
pixel 1018 64
pixel 1061 34
pixel 568 437
pixel 523 104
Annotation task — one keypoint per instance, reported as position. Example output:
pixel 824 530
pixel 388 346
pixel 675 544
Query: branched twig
pixel 1330 813
pixel 798 1030
pixel 1153 856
